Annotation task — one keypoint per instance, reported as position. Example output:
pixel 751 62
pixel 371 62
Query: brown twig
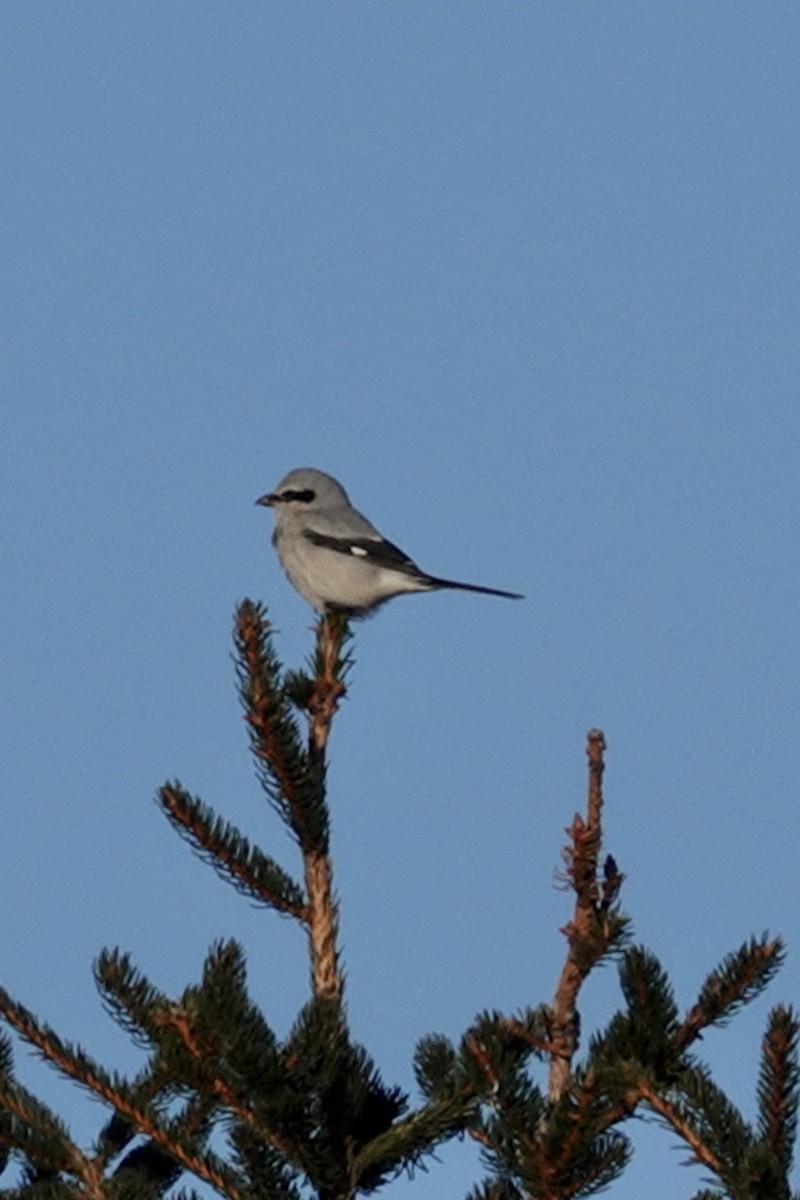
pixel 323 917
pixel 323 927
pixel 584 945
pixel 483 1060
pixel 329 686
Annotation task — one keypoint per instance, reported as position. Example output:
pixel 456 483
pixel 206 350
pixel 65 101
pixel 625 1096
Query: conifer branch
pixel 287 774
pixel 483 1061
pixel 740 977
pixel 415 1135
pixel 534 1031
pixel 597 1110
pixel 76 1065
pixel 137 1006
pixel 650 1023
pixel 779 1086
pixel 213 1033
pixel 323 927
pixel 590 933
pixel 561 1145
pixel 208 1064
pixel 322 704
pixel 313 1112
pixel 38 1133
pixel 297 776
pixel 437 1068
pixel 698 1100
pixel 231 853
pixel 672 1114
pixel 68 1060
pixel 501 1190
pixel 329 688
pixel 146 1163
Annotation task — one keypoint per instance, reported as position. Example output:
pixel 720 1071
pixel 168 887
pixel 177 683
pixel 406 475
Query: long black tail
pixel 472 587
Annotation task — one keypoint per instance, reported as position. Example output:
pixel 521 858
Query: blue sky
pixel 523 276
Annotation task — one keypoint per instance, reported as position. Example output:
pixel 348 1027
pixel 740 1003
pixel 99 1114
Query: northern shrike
pixel 334 557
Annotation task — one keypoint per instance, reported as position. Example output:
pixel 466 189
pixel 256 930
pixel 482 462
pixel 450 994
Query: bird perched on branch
pixel 334 557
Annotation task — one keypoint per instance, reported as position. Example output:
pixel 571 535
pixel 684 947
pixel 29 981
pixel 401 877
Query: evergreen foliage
pixel 224 1105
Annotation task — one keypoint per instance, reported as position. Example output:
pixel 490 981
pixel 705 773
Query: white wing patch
pixel 360 551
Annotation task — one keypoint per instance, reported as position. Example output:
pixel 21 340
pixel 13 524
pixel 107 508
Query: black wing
pixel 378 552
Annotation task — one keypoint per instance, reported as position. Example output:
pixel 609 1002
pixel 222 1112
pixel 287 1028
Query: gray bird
pixel 336 558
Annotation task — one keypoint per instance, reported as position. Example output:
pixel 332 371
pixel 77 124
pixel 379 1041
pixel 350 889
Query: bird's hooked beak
pixel 268 500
